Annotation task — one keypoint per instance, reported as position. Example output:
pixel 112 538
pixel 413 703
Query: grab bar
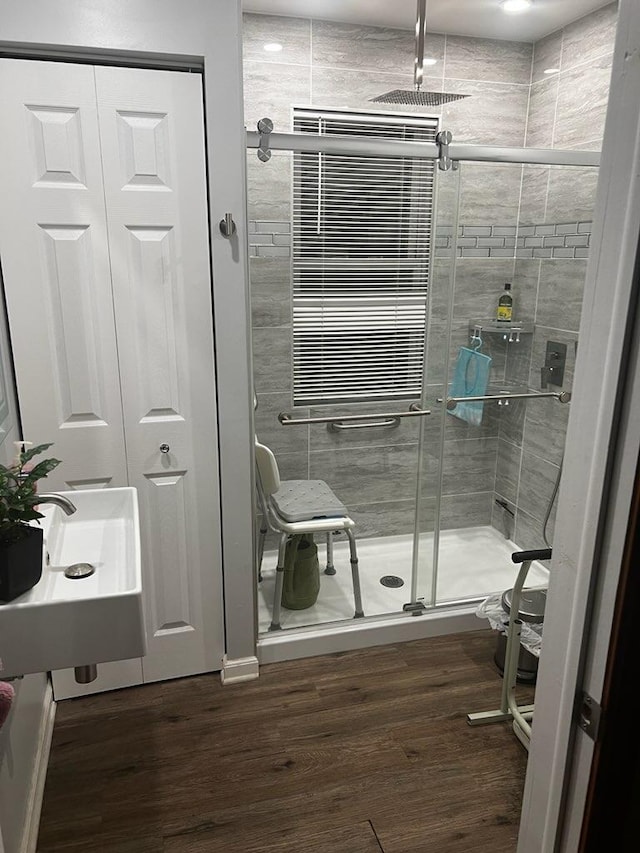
pixel 336 426
pixel 452 402
pixel 414 411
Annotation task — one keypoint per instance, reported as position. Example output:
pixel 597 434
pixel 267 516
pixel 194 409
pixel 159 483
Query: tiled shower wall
pixel 566 110
pixel 338 65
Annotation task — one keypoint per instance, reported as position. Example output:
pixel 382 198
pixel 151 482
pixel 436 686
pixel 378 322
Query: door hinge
pixel 589 716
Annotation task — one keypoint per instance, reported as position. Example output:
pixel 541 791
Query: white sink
pixel 63 622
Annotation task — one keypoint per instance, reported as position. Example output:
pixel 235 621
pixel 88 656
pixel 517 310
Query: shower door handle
pixel 336 426
pixel 414 411
pixel 452 402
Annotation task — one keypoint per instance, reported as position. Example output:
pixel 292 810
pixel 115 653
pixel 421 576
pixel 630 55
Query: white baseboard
pixel 39 776
pixel 239 669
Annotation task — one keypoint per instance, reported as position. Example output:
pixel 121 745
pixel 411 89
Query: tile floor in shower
pixel 473 563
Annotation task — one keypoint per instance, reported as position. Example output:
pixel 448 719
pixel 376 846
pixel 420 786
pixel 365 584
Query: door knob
pixel 227 226
pixel 164 448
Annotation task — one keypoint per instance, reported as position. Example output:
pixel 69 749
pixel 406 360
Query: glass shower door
pixel 340 250
pixel 429 499
pixel 501 459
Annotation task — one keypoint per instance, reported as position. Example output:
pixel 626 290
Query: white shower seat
pixel 292 507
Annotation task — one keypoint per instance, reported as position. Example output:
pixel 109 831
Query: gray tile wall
pixel 566 110
pixel 338 65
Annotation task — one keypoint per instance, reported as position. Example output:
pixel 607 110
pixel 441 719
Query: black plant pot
pixel 20 564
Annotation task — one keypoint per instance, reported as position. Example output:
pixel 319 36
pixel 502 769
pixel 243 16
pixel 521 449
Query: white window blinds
pixel 360 261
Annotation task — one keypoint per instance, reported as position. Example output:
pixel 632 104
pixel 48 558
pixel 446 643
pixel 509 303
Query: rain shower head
pixel 417 97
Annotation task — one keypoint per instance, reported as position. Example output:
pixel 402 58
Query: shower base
pixel 474 562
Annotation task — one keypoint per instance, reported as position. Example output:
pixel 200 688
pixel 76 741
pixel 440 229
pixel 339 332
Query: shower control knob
pixel 164 448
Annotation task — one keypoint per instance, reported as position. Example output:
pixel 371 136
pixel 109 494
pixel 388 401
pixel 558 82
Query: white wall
pixel 20 737
pixel 23 748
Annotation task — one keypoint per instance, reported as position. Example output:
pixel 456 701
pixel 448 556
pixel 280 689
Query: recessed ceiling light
pixel 429 60
pixel 516 5
pixel 273 47
pixel 551 71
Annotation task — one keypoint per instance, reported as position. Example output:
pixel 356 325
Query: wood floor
pixel 359 752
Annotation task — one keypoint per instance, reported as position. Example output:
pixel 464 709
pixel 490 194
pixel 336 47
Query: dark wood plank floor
pixel 359 752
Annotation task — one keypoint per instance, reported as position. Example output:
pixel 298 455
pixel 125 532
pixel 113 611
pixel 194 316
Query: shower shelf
pixel 509 388
pixel 510 331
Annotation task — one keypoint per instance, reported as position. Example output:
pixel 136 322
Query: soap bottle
pixel 504 313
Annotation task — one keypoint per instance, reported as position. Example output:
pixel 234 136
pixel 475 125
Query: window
pixel 360 261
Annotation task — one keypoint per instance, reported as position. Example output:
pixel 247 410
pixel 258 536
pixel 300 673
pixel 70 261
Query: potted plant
pixel 21 543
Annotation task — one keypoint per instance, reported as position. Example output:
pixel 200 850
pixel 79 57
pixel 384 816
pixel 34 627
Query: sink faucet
pixel 59 500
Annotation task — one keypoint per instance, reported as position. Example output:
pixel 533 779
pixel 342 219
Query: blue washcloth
pixel 470 379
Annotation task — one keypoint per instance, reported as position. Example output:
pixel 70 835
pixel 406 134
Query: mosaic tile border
pixel 272 239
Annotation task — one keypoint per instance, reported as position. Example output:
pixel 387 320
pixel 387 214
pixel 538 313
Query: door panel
pixel 111 324
pixel 54 262
pixel 153 154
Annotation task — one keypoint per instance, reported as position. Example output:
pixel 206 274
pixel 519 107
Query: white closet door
pixel 55 266
pixel 152 135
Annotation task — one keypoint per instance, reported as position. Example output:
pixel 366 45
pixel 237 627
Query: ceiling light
pixel 551 71
pixel 516 5
pixel 428 60
pixel 273 47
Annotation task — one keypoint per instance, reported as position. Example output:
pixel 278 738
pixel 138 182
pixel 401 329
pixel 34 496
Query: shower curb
pixel 361 634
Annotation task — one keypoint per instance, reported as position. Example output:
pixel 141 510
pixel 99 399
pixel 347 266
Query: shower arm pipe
pixel 414 411
pixel 421 37
pixel 307 142
pixel 561 396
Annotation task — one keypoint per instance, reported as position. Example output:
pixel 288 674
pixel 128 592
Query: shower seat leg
pixel 355 575
pixel 260 549
pixel 277 595
pixel 330 568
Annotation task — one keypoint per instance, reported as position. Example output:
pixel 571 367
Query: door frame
pixel 204 36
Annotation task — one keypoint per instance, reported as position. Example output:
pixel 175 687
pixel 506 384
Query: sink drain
pixel 392 581
pixel 79 570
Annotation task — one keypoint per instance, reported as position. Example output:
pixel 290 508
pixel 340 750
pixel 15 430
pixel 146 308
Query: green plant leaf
pixel 27 455
pixel 18 493
pixel 41 470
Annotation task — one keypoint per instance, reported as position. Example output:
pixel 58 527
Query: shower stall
pixel 381 366
pixel 382 234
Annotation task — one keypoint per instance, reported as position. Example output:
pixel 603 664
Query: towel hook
pixel 476 337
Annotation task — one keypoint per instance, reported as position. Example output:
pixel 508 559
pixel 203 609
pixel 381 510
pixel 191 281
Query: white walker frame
pixel 520 715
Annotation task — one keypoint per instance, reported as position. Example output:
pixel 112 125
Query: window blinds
pixel 360 261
